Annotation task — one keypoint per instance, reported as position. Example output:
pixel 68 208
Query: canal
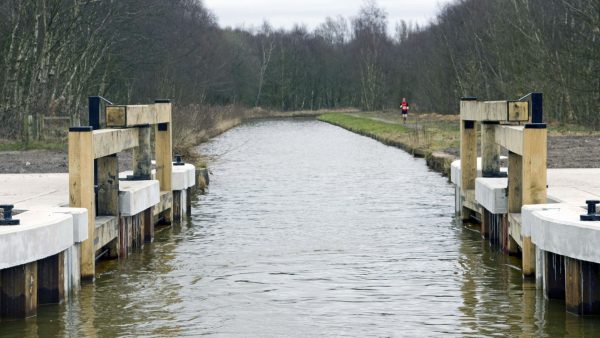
pixel 310 230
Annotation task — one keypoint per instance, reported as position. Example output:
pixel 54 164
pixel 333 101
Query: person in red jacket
pixel 405 109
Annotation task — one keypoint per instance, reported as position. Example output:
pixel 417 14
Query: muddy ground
pixel 567 151
pixel 563 152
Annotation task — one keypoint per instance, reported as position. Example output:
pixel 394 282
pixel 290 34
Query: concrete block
pixel 183 176
pixel 80 221
pixel 137 196
pixel 40 235
pixel 455 170
pixel 491 194
pixel 556 228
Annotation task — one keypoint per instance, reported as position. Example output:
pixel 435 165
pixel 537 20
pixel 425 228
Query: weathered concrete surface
pixel 40 235
pixel 137 196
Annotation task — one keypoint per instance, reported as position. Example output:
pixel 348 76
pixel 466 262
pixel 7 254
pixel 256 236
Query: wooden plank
pixel 515 177
pixel 81 191
pixel 483 110
pixel 510 138
pixel 166 202
pixel 108 186
pixel 535 149
pixel 106 230
pixel 112 141
pixel 490 151
pixel 137 115
pixel 518 111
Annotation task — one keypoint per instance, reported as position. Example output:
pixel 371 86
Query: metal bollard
pixel 7 213
pixel 178 160
pixel 591 211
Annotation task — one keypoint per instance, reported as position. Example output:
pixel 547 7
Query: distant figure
pixel 405 109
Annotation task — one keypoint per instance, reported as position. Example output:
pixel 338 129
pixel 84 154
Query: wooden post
pixel 177 207
pixel 51 274
pixel 485 224
pixel 188 201
pixel 108 186
pixel 81 190
pixel 164 153
pixel 581 287
pixel 554 276
pixel 490 151
pixel 142 159
pixel 19 291
pixel 148 225
pixel 468 159
pixel 534 181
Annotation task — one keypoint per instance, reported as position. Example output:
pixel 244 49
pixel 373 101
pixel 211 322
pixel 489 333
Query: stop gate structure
pixel 55 227
pixel 545 216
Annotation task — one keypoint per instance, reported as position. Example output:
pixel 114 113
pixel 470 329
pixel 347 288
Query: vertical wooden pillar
pixel 148 225
pixel 485 224
pixel 468 159
pixel 142 155
pixel 554 276
pixel 490 151
pixel 51 274
pixel 188 201
pixel 582 295
pixel 19 291
pixel 177 207
pixel 81 190
pixel 534 181
pixel 164 153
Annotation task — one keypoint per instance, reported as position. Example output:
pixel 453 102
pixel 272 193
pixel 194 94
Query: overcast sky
pixel 285 13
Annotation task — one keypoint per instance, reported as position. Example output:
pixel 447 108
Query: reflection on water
pixel 309 230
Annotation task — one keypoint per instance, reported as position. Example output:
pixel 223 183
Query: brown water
pixel 309 230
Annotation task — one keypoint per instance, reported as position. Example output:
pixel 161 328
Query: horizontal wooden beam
pixel 496 111
pixel 111 141
pixel 510 137
pixel 136 115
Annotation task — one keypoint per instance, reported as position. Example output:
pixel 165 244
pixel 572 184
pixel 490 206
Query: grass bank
pixel 431 136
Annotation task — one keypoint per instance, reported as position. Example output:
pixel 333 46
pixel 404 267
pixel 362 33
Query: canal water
pixel 310 230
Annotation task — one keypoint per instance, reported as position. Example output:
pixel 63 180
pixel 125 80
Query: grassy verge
pixel 34 145
pixel 424 135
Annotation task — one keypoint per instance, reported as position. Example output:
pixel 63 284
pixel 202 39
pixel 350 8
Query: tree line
pixel 55 53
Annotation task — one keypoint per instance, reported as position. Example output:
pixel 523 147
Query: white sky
pixel 285 13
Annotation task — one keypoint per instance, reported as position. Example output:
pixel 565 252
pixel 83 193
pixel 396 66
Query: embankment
pixel 413 138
